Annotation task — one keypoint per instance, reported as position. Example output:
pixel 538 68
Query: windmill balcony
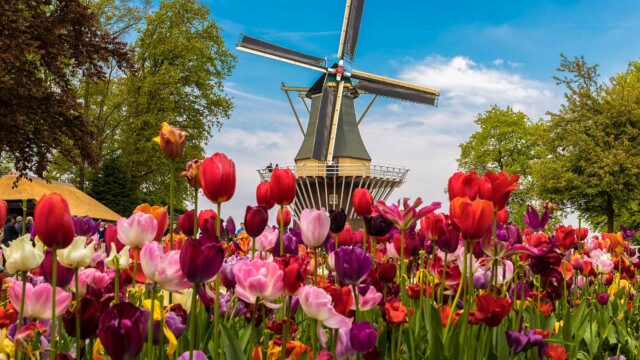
pixel 330 185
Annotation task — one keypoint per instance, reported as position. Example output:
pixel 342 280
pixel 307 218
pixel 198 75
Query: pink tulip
pixel 138 229
pixel 370 300
pixel 163 269
pixel 268 238
pixel 94 278
pixel 316 303
pixel 259 279
pixel 37 300
pixel 601 261
pixel 314 226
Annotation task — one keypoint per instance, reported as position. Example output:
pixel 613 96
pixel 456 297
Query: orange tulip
pixel 473 218
pixel 192 173
pixel 159 213
pixel 497 188
pixel 171 140
pixel 463 185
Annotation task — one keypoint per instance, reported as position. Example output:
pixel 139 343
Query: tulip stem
pixel 216 316
pixel 171 175
pixel 444 275
pixel 403 289
pixel 281 230
pixel 192 321
pixel 364 238
pixel 285 334
pixel 116 293
pixel 151 319
pixel 135 266
pixel 54 284
pixel 315 266
pixel 77 310
pixel 357 301
pixel 24 289
pixel 455 300
pixel 195 213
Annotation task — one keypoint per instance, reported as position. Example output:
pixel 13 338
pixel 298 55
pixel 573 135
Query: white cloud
pixel 424 139
pixel 497 62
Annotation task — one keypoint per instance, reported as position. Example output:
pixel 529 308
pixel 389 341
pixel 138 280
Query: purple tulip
pixel 519 341
pixel 255 220
pixel 200 261
pixel 122 330
pixel 363 336
pixel 377 225
pixel 197 355
pixel 626 232
pixel 174 323
pixel 481 279
pixel 63 273
pixel 89 316
pixel 517 290
pixel 534 221
pixel 603 298
pixel 338 220
pixel 352 264
pixel 85 226
pixel 230 226
pixel 291 241
pixel 448 239
pixel 509 234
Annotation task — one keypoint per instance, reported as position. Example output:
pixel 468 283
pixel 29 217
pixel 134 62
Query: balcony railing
pixel 386 172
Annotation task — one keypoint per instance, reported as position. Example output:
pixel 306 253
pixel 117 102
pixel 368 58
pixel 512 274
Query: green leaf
pixel 232 348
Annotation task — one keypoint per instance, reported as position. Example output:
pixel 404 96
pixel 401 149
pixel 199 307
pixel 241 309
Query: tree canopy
pixel 44 48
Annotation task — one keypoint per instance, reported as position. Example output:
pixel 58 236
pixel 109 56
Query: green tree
pixel 182 62
pixel 506 140
pixel 114 187
pixel 591 161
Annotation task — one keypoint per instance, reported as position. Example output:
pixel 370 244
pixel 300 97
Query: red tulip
pixel 497 188
pixel 473 218
pixel 431 224
pixel 362 201
pixel 111 237
pixel 218 178
pixel 207 221
pixel 185 223
pixel 294 272
pixel 502 216
pixel 583 232
pixel 255 220
pixel 342 298
pixel 566 237
pixel 345 237
pixel 53 221
pixel 263 195
pixel 490 310
pixel 287 217
pixel 282 186
pixel 3 211
pixel 463 185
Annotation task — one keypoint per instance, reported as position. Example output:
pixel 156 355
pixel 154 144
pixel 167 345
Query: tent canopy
pixel 33 188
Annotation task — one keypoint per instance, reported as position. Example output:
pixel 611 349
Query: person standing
pixel 19 225
pixel 10 231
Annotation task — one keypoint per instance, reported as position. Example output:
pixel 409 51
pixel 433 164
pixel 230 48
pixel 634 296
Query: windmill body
pixel 332 160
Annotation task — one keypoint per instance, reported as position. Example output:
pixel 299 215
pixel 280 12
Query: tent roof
pixel 80 203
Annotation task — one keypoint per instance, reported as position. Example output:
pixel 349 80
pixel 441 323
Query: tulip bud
pixel 286 220
pixel 192 173
pixel 171 140
pixel 53 221
pixel 463 185
pixel 282 186
pixel 362 336
pixel 314 226
pixel 218 178
pixel 502 216
pixel 255 220
pixel 338 220
pixel 263 195
pixel 362 201
pixel 63 273
pixel 185 223
pixel 21 255
pixel 377 225
pixel 230 226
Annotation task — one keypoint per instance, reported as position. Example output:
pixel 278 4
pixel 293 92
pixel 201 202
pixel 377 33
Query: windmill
pixel 332 160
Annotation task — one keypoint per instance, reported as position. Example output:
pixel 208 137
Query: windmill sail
pixel 350 28
pixel 266 49
pixel 383 86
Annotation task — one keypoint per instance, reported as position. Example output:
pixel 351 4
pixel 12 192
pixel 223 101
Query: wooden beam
pixel 367 109
pixel 295 113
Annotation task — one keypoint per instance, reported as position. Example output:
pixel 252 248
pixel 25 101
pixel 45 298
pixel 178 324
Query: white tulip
pixel 22 255
pixel 118 260
pixel 78 254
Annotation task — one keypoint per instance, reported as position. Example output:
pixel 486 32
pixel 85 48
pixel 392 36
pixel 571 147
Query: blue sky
pixel 477 53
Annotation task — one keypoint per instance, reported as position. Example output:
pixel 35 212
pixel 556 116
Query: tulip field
pixel 419 281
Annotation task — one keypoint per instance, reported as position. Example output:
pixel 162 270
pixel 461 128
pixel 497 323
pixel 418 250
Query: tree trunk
pixel 611 213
